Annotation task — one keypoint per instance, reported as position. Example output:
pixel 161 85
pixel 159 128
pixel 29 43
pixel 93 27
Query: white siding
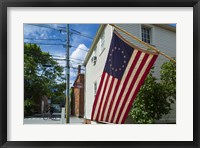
pixel 93 72
pixel 162 39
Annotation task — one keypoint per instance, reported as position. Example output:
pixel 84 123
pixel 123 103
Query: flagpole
pixel 147 45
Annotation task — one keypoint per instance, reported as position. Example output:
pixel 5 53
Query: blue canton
pixel 118 57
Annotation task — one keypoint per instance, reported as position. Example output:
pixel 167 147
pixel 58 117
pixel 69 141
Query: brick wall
pixel 78 99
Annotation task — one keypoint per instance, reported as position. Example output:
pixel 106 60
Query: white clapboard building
pixel 161 36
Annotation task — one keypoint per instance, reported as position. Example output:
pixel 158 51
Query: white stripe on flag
pixel 105 95
pixel 99 98
pixel 122 82
pixel 135 86
pixel 109 100
pixel 128 85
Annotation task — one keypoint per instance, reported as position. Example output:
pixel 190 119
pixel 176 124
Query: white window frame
pixel 150 34
pixel 94 54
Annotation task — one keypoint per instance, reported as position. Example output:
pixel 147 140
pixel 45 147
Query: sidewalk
pixel 40 120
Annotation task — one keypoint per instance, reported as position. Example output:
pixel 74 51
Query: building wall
pixel 78 100
pixel 162 39
pixel 93 72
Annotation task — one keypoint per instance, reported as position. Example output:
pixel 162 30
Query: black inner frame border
pixel 4 4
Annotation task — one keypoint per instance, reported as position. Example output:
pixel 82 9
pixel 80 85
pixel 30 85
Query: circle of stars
pixel 124 59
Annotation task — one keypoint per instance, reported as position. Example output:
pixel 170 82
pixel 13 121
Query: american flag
pixel 125 71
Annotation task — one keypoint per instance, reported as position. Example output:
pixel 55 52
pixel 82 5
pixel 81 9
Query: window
pixel 94 57
pixel 146 34
pixel 95 89
pixel 102 40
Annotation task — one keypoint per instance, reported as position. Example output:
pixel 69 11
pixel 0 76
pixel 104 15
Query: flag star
pixel 124 56
pixel 115 47
pixel 122 51
pixel 124 61
pixel 115 69
pixel 110 54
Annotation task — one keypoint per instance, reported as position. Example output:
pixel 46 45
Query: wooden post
pixel 147 45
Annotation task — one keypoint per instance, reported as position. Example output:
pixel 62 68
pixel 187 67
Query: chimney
pixel 79 69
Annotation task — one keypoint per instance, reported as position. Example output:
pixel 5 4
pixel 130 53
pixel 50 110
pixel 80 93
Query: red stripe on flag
pixel 112 100
pixel 139 85
pixel 125 82
pixel 132 83
pixel 97 95
pixel 101 99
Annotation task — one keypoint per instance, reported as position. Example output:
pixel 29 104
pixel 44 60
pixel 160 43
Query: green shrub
pixel 155 97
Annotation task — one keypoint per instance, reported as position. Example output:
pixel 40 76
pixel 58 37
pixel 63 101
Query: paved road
pixel 39 120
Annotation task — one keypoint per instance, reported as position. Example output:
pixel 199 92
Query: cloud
pixel 76 58
pixel 79 54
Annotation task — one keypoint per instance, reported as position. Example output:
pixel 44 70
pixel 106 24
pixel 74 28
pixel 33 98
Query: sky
pixel 52 38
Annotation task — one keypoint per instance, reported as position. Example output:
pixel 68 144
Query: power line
pixel 77 59
pixel 82 34
pixel 75 68
pixel 58 56
pixel 60 30
pixel 65 59
pixel 44 39
pixel 75 32
pixel 76 62
pixel 44 43
pixel 79 48
pixel 55 44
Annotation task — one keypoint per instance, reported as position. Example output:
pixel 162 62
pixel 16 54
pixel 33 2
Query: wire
pixel 59 59
pixel 75 68
pixel 76 62
pixel 48 27
pixel 55 44
pixel 80 48
pixel 77 59
pixel 44 39
pixel 61 30
pixel 82 34
pixel 58 56
pixel 70 59
pixel 75 32
pixel 44 43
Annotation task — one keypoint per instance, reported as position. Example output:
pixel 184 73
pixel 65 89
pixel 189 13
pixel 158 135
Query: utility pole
pixel 67 105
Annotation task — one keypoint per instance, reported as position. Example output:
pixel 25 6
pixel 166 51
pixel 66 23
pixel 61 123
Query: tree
pixel 155 97
pixel 42 74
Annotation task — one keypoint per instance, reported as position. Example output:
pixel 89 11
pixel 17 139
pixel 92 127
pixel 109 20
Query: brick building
pixel 77 100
